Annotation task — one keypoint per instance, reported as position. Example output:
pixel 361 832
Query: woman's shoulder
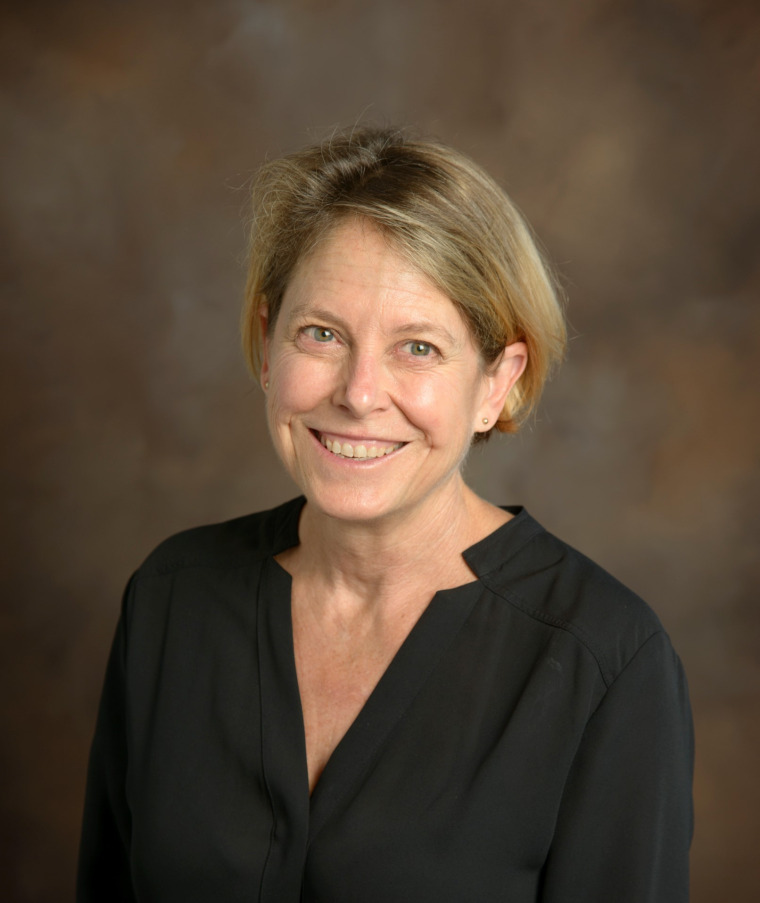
pixel 231 543
pixel 553 584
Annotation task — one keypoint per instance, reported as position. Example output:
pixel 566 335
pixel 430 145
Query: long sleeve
pixel 625 821
pixel 104 872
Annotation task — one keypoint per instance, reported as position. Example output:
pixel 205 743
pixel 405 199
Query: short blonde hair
pixel 438 208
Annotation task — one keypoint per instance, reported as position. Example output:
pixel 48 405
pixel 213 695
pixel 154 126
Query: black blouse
pixel 530 741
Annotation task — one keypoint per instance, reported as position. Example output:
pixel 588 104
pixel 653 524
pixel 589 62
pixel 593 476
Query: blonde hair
pixel 439 209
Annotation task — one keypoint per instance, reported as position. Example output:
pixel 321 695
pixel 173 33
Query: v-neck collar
pixel 284 744
pixel 484 556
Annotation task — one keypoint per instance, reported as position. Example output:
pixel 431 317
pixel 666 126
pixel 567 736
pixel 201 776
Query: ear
pixel 499 379
pixel 263 315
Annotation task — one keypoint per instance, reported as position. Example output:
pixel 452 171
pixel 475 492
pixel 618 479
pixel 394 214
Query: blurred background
pixel 628 132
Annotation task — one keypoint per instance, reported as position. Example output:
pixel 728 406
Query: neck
pixel 370 564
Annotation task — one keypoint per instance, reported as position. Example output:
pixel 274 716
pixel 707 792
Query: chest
pixel 435 763
pixel 337 672
pixel 437 766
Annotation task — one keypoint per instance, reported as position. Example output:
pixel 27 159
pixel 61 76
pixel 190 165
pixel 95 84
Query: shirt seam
pixel 607 673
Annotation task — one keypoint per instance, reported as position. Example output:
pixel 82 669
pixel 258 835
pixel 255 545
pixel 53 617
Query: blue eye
pixel 420 349
pixel 320 334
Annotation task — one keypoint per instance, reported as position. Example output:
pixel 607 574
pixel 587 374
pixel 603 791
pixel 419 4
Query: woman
pixel 388 689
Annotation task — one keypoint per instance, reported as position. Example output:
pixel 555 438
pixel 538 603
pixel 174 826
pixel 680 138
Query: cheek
pixel 297 385
pixel 426 402
pixel 442 408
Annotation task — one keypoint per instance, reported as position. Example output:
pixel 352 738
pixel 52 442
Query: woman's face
pixel 375 384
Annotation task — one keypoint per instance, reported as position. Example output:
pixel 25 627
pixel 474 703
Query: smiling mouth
pixel 357 449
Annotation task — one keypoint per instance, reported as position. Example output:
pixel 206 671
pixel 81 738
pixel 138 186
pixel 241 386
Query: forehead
pixel 356 266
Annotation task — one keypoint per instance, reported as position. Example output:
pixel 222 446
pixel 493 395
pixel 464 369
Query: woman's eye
pixel 420 349
pixel 320 333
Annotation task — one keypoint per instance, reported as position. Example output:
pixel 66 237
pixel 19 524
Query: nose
pixel 362 385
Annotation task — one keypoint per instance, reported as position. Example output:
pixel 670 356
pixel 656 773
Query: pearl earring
pixel 266 384
pixel 485 420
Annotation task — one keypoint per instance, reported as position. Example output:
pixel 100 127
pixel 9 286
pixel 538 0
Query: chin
pixel 354 507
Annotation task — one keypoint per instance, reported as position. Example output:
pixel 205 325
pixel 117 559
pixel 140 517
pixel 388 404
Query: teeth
pixel 346 450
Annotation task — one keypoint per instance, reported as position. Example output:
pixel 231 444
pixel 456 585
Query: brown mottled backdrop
pixel 628 132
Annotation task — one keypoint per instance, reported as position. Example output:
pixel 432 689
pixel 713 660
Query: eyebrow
pixel 305 310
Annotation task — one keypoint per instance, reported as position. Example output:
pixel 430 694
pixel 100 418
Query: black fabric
pixel 531 740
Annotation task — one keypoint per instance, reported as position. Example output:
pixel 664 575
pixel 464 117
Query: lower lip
pixel 354 462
